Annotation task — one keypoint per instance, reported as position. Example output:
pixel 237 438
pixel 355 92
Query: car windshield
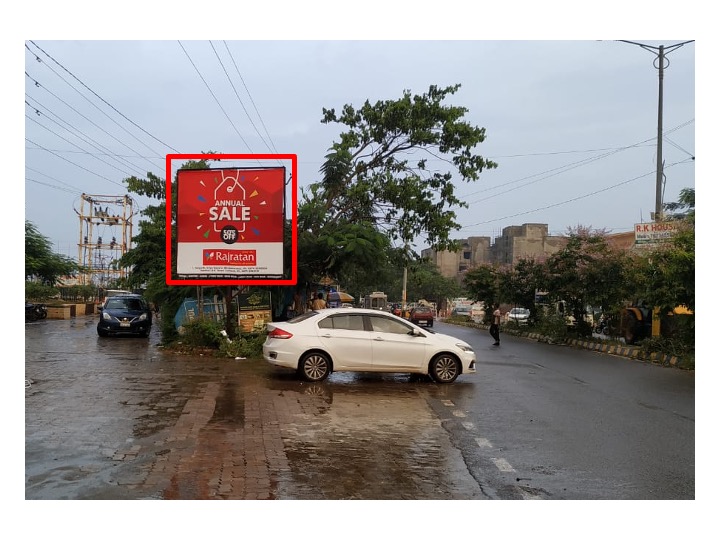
pixel 125 303
pixel 302 317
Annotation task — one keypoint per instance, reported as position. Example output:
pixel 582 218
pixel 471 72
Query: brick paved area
pixel 120 419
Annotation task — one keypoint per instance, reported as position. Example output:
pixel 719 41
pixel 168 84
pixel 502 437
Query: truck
pixel 375 300
pixel 639 321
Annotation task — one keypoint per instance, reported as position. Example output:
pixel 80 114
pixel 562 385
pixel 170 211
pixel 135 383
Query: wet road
pixel 117 418
pixel 121 419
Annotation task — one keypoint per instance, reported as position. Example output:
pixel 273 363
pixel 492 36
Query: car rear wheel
pixel 314 367
pixel 444 368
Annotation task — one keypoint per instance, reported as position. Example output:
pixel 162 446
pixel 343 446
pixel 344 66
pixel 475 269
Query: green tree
pixel 369 176
pixel 374 188
pixel 587 271
pixel 483 284
pixel 684 208
pixel 147 260
pixel 41 263
pixel 333 247
pixel 670 269
pixel 424 281
pixel 517 285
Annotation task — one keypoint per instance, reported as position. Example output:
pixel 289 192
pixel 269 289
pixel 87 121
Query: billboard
pixel 254 311
pixel 230 226
pixel 650 233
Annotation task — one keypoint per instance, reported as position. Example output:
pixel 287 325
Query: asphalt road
pixel 577 424
pixel 111 419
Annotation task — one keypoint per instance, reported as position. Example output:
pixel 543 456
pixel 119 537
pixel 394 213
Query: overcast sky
pixel 572 124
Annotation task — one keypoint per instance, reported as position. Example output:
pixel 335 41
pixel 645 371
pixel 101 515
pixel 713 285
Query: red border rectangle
pixel 168 220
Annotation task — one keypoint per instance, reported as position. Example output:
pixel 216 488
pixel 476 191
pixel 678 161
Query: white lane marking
pixel 448 403
pixel 468 425
pixel 503 465
pixel 459 414
pixel 483 443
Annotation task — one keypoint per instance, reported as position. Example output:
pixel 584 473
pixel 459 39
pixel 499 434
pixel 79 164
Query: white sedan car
pixel 351 339
pixel 519 315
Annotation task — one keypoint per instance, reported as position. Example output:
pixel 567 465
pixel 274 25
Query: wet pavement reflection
pixel 119 418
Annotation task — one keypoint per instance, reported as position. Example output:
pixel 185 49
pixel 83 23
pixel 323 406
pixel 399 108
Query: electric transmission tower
pixel 105 236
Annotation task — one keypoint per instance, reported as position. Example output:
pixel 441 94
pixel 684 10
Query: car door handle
pixel 379 339
pixel 326 335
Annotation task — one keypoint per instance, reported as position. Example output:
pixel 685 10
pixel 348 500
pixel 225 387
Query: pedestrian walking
pixel 495 325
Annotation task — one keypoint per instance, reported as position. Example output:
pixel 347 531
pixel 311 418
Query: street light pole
pixel 659 165
pixel 659 62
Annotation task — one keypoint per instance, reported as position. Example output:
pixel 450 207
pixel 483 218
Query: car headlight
pixel 106 316
pixel 466 348
pixel 143 317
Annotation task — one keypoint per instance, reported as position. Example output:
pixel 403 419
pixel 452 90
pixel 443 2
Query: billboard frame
pixel 209 281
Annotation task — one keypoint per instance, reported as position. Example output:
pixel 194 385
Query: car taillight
pixel 279 334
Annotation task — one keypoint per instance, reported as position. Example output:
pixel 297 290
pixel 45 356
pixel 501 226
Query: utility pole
pixel 660 64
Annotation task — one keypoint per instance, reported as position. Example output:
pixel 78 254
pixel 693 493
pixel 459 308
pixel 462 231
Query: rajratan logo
pixel 229 257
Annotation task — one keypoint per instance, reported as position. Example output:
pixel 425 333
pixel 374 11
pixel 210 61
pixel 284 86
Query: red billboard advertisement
pixel 230 224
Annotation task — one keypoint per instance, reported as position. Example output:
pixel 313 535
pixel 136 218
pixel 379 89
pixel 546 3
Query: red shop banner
pixel 230 223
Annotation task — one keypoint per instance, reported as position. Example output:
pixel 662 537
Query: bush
pixel 674 346
pixel 203 333
pixel 552 326
pixel 74 293
pixel 37 291
pixel 245 346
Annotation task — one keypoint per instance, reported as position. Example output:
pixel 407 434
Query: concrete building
pixel 530 240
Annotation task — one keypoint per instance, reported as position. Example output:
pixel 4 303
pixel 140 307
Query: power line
pixel 215 98
pixel 563 168
pixel 250 96
pixel 238 96
pixel 109 153
pixel 73 163
pixel 39 85
pixel 52 186
pixel 52 178
pixel 79 134
pixel 72 143
pixel 570 200
pixel 104 101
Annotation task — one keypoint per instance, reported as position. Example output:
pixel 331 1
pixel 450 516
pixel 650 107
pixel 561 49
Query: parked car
pixel 519 315
pixel 364 340
pixel 125 314
pixel 462 311
pixel 421 315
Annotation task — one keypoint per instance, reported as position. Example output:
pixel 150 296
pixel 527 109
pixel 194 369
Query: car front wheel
pixel 315 367
pixel 444 368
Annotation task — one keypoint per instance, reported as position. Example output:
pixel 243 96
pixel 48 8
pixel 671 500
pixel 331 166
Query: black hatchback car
pixel 126 314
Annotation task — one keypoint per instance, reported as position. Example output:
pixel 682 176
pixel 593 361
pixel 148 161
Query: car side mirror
pixel 415 332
